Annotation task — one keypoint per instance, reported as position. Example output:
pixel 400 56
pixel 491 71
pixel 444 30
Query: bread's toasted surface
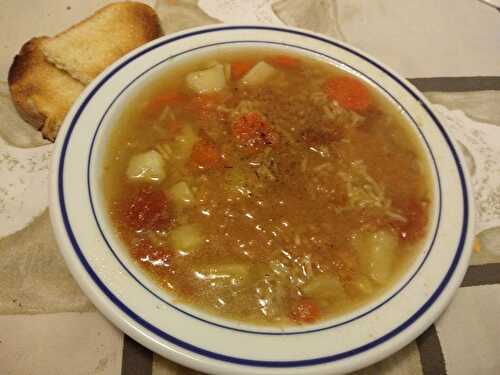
pixel 87 48
pixel 41 93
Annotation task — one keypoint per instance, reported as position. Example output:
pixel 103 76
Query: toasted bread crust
pixel 87 48
pixel 42 94
pixel 48 74
pixel 20 88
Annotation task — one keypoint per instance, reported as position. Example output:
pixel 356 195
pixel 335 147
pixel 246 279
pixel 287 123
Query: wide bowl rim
pixel 103 301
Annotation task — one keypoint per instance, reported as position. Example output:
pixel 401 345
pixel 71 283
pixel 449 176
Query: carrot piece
pixel 284 61
pixel 349 92
pixel 305 311
pixel 251 130
pixel 240 68
pixel 205 155
pixel 155 105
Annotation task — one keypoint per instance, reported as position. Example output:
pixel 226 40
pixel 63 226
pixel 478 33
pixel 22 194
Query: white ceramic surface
pixel 126 296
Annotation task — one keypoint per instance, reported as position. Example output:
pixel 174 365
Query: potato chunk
pixel 376 252
pixel 186 238
pixel 148 166
pixel 259 74
pixel 324 287
pixel 208 80
pixel 181 194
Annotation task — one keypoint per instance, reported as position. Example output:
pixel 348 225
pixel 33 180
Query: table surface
pixel 449 49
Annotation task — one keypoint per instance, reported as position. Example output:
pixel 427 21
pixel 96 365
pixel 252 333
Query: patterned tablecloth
pixel 449 49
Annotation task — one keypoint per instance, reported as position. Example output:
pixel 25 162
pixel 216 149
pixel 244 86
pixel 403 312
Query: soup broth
pixel 267 188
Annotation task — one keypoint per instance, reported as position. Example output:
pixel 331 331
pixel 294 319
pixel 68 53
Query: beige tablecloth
pixel 448 48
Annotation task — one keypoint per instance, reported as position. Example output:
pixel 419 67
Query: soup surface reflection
pixel 267 188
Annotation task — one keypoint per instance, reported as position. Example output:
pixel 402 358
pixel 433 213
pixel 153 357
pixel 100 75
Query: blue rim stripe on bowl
pixel 243 361
pixel 262 332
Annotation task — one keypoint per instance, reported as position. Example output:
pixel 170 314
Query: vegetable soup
pixel 267 188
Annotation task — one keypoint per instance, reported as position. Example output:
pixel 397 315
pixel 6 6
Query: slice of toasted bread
pixel 41 93
pixel 85 49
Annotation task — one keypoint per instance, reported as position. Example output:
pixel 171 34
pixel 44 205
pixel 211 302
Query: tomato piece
pixel 349 92
pixel 251 130
pixel 240 68
pixel 305 310
pixel 205 155
pixel 146 208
